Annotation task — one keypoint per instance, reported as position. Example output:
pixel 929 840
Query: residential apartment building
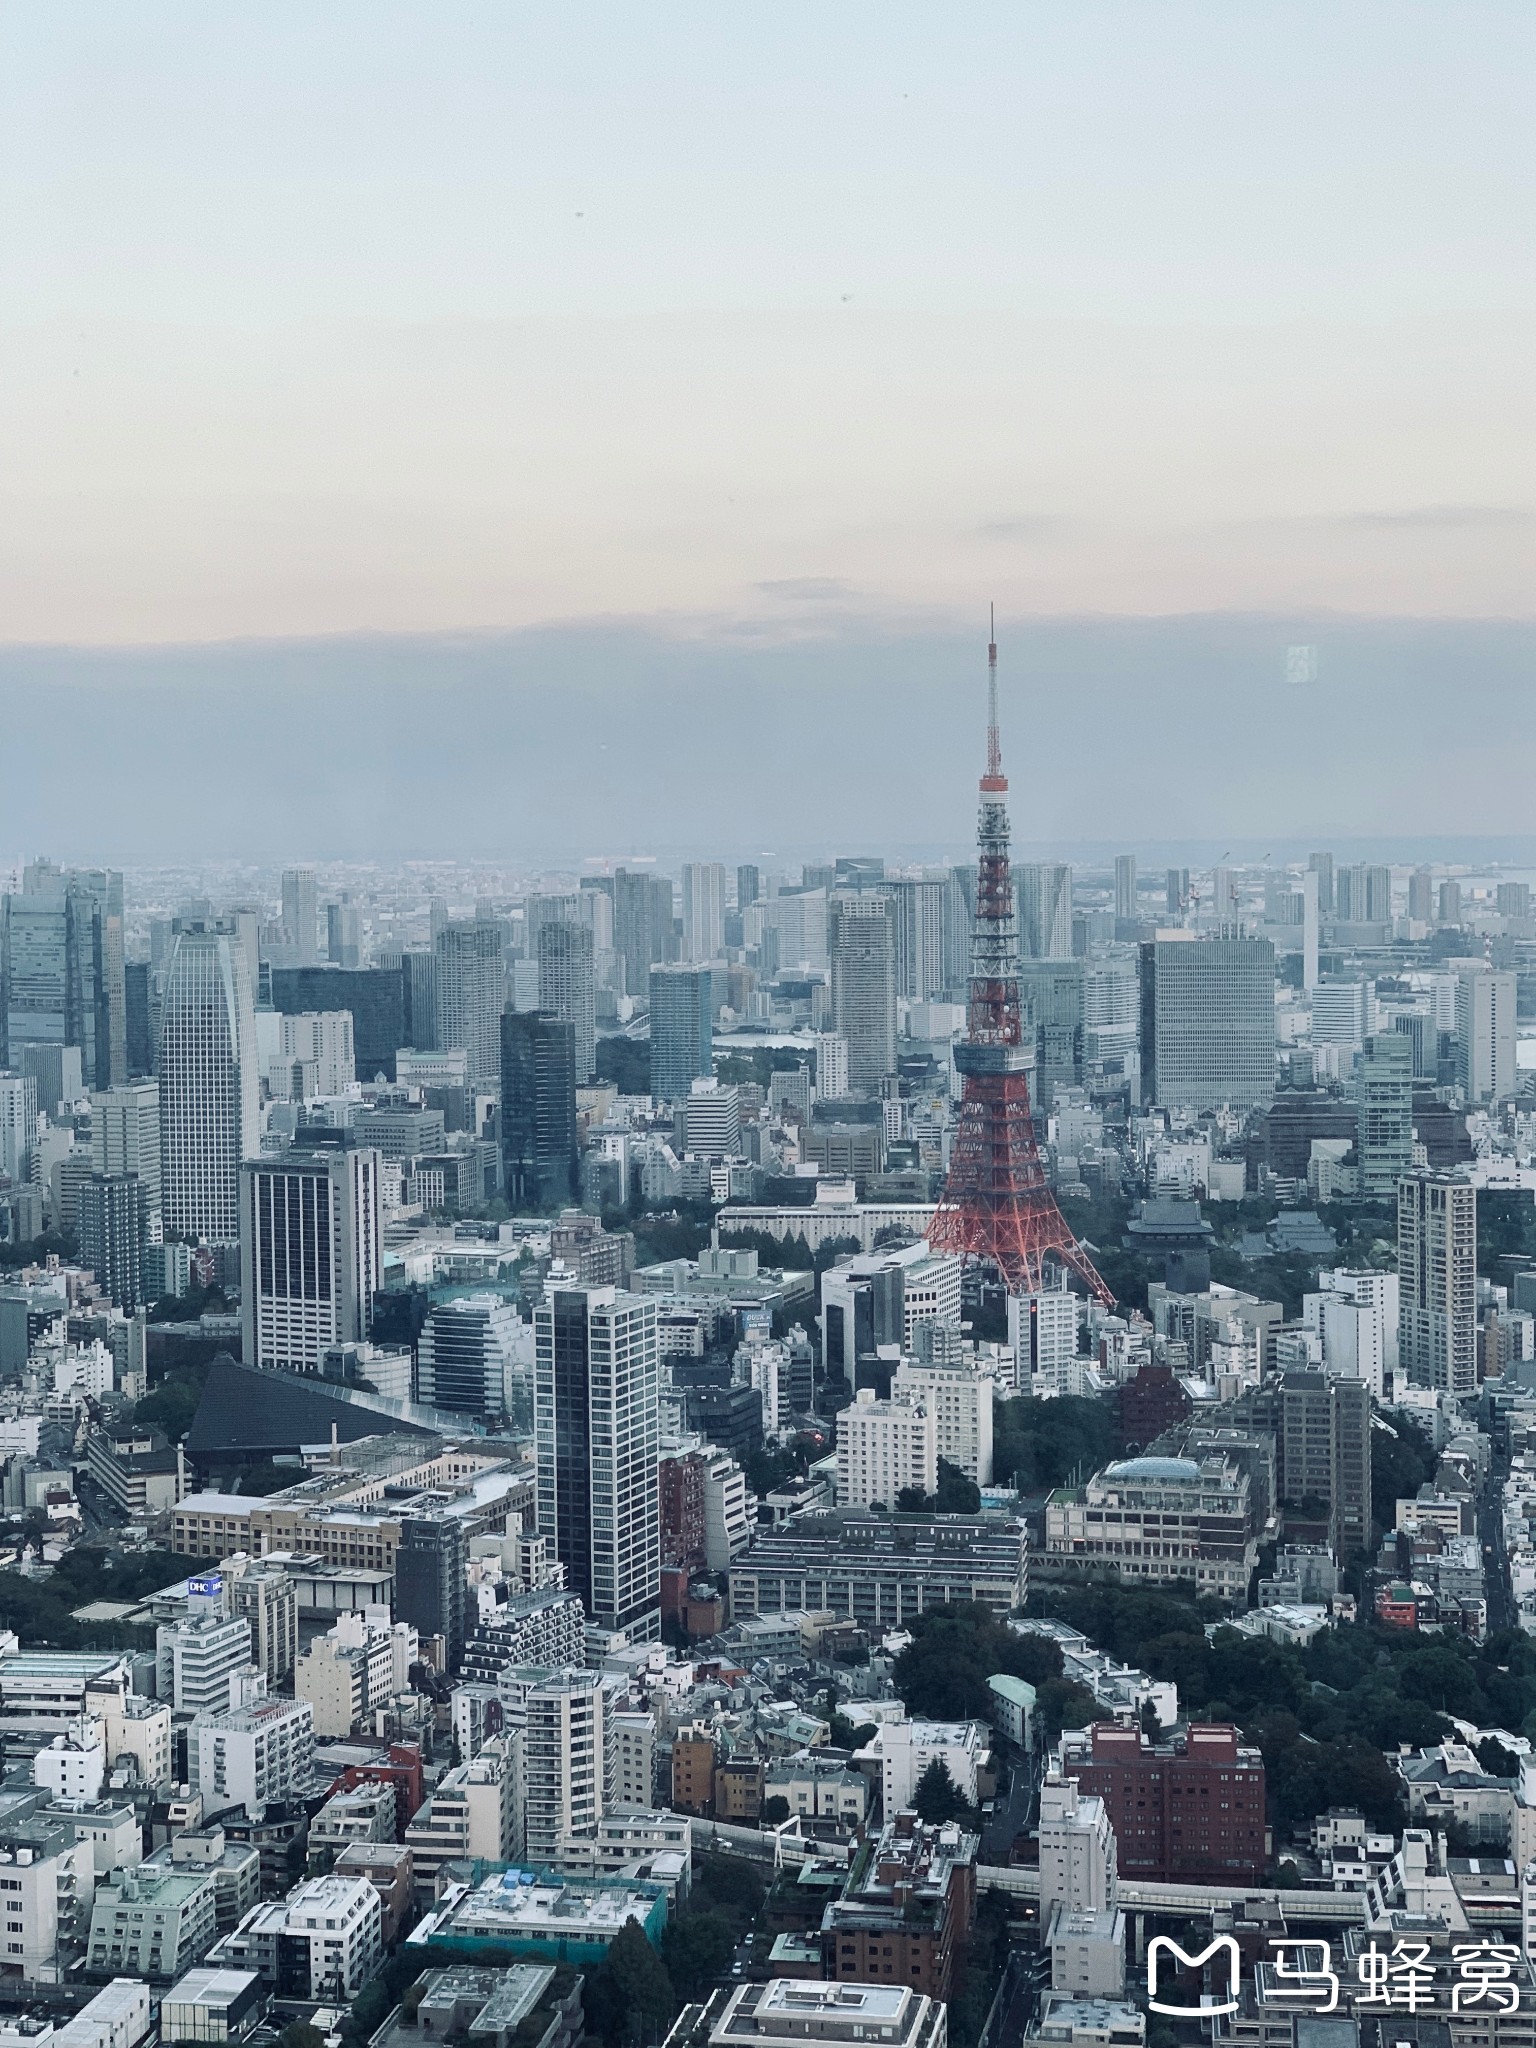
pixel 960 1402
pixel 885 1448
pixel 152 1922
pixel 1437 1282
pixel 255 1756
pixel 905 1914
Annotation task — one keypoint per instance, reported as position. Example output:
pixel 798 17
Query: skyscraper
pixel 373 995
pixel 1207 1022
pixel 300 915
pixel 596 1429
pixel 1485 1034
pixel 463 1353
pixel 861 944
pixel 538 1110
pixel 642 925
pixel 18 1124
pixel 1177 895
pixel 471 992
pixel 749 885
pixel 1125 887
pixel 1044 889
pixel 1385 1088
pixel 210 1096
pixel 61 969
pixel 311 1253
pixel 917 908
pixel 567 989
pixel 1437 1281
pixel 114 1229
pixel 1421 896
pixel 681 1031
pixel 125 1138
pixel 1321 865
pixel 1448 911
pixel 343 934
pixel 418 993
pixel 703 910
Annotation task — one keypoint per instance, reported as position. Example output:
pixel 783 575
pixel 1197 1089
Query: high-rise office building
pixel 1223 894
pixel 917 907
pixel 1421 896
pixel 374 996
pixel 749 885
pixel 539 1153
pixel 1321 1425
pixel 463 1354
pixel 681 1030
pixel 471 993
pixel 1512 900
pixel 1485 1034
pixel 18 1124
pixel 1125 887
pixel 643 932
pixel 210 1094
pixel 114 1229
pixel 125 1138
pixel 141 1002
pixel 429 1580
pixel 959 918
pixel 1207 1022
pixel 703 910
pixel 1321 865
pixel 1177 895
pixel 567 989
pixel 861 944
pixel 343 934
pixel 1043 891
pixel 418 989
pixel 311 1253
pixel 1385 1093
pixel 1448 908
pixel 596 1429
pixel 301 911
pixel 1437 1281
pixel 62 969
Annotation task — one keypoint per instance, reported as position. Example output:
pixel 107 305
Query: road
pixel 1490 1533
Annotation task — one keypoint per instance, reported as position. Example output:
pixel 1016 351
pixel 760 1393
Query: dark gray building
pixel 114 1224
pixel 429 1579
pixel 539 1152
pixel 372 994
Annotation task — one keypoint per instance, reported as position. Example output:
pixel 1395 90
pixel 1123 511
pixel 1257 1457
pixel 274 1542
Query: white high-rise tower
pixel 210 1091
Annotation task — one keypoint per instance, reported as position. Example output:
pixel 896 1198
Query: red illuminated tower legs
pixel 997 1206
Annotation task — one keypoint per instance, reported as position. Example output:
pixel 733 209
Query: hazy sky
pixel 417 318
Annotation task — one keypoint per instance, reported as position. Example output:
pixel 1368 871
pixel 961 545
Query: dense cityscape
pixel 826 1454
pixel 767 1025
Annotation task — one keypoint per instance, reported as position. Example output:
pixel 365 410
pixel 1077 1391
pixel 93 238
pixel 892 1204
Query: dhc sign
pixel 205 1589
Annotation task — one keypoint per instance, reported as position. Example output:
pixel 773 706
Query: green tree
pixel 629 1998
pixel 944 1671
pixel 937 1797
pixel 775 1812
pixel 1496 1760
pixel 696 1949
pixel 958 1493
pixel 1040 1444
pixel 300 2034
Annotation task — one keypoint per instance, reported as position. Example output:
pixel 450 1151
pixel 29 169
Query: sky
pixel 793 328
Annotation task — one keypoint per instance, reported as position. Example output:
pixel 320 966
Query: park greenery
pixel 1040 1444
pixel 41 1611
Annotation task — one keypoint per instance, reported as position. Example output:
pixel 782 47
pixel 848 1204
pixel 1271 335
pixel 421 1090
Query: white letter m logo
pixel 1163 1944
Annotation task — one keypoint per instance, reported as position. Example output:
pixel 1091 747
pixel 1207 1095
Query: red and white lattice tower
pixel 997 1206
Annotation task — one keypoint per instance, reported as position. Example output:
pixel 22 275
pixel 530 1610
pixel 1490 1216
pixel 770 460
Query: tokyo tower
pixel 997 1206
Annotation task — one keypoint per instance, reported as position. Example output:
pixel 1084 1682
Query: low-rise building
pixel 906 1910
pixel 906 1749
pixel 1067 2022
pixel 152 1922
pixel 387 1867
pixel 322 1941
pixel 882 1570
pixel 819 1787
pixel 47 1878
pixel 119 2016
pixel 1155 1520
pixel 516 1914
pixel 233 1869
pixel 216 2008
pixel 789 2012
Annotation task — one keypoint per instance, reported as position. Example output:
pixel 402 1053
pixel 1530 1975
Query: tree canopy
pixel 629 2001
pixel 1040 1444
pixel 942 1674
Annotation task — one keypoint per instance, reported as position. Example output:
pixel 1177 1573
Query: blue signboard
pixel 205 1589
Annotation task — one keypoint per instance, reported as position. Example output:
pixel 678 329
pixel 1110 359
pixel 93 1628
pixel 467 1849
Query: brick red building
pixel 681 1490
pixel 1150 1402
pixel 1191 1809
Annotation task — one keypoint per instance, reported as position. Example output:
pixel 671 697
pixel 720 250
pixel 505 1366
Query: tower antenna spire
pixel 994 781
